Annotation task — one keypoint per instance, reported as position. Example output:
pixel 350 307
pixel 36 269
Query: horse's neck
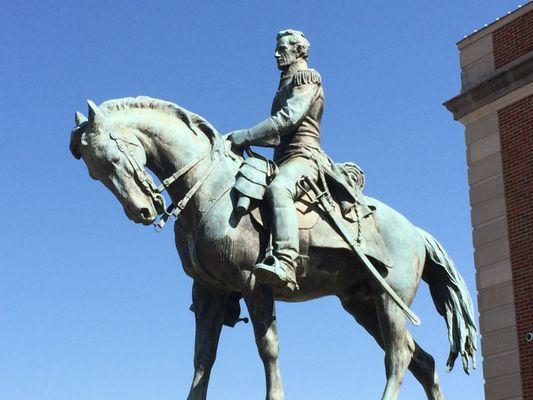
pixel 170 144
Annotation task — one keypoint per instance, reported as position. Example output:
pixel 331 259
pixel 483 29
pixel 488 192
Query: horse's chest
pixel 216 253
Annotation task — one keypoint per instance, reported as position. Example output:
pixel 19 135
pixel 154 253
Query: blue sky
pixel 95 307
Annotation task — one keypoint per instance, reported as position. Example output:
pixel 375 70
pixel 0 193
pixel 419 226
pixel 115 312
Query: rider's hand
pixel 238 138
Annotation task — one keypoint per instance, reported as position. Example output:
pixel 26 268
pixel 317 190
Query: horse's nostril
pixel 145 212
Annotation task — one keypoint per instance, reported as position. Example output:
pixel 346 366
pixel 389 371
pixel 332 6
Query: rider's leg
pixel 281 194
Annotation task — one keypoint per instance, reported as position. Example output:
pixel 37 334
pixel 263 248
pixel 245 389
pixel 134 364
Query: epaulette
pixel 306 76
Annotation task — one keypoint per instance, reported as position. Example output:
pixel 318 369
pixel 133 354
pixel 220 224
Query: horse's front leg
pixel 209 306
pixel 260 302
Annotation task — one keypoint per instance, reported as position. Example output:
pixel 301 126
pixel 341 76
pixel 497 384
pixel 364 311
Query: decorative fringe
pixel 306 76
pixel 354 175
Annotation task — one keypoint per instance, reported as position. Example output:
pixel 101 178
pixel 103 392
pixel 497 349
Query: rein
pixel 155 192
pixel 174 210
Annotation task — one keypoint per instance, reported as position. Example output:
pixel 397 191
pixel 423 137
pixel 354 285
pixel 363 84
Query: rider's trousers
pixel 281 194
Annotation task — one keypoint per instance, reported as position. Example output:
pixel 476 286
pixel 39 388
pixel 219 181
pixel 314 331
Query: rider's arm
pixel 268 132
pixel 292 114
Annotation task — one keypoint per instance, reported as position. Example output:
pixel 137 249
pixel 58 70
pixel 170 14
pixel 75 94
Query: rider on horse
pixel 294 130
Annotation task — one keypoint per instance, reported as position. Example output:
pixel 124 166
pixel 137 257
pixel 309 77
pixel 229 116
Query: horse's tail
pixel 453 302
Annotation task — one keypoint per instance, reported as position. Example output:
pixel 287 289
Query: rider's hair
pixel 297 38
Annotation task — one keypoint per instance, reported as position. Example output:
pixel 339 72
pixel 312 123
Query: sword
pixel 347 236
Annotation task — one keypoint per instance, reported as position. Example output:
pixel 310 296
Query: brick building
pixel 496 108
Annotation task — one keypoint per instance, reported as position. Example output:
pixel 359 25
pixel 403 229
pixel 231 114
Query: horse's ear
pixel 95 114
pixel 76 140
pixel 76 136
pixel 79 118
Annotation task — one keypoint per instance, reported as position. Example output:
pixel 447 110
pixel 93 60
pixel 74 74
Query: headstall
pixel 155 192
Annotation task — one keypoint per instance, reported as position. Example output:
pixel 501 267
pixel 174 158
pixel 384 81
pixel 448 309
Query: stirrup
pixel 271 271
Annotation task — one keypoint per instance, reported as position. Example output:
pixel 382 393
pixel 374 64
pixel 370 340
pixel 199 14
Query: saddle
pixel 315 231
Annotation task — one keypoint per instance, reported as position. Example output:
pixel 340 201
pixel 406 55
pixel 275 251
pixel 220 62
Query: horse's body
pixel 218 249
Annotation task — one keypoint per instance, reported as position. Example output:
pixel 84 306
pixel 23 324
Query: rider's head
pixel 291 46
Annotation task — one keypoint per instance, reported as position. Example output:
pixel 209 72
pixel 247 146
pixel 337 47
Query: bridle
pixel 155 192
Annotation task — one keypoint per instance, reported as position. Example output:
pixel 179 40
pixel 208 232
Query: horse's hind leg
pixel 422 364
pixel 423 368
pixel 398 348
pixel 209 307
pixel 260 302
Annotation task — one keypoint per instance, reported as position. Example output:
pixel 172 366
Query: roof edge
pixel 498 23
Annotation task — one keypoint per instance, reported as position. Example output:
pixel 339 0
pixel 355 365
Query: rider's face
pixel 286 53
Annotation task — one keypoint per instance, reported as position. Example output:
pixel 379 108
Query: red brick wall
pixel 513 40
pixel 516 131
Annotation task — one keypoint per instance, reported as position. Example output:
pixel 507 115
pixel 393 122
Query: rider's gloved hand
pixel 264 133
pixel 238 138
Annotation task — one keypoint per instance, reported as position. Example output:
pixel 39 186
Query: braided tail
pixel 453 302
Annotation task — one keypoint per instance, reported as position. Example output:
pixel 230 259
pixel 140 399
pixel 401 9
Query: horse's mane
pixel 194 121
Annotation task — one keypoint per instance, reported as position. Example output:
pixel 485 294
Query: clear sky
pixel 93 307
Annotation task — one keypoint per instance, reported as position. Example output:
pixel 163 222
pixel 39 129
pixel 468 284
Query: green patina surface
pixel 226 249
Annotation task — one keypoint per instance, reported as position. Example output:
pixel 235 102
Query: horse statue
pixel 218 248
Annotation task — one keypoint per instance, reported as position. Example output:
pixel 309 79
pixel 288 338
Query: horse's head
pixel 116 157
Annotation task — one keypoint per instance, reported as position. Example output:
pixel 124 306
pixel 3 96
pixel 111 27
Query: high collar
pixel 296 66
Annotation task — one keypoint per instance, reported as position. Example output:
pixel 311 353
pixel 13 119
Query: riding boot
pixel 279 269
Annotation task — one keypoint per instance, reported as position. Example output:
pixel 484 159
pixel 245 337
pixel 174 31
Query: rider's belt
pixel 307 137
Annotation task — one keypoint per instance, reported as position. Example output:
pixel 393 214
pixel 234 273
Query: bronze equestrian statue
pixel 316 235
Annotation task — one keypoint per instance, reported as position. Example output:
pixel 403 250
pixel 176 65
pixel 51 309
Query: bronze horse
pixel 218 249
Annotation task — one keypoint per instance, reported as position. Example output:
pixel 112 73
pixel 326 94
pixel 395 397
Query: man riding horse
pixel 123 136
pixel 294 130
